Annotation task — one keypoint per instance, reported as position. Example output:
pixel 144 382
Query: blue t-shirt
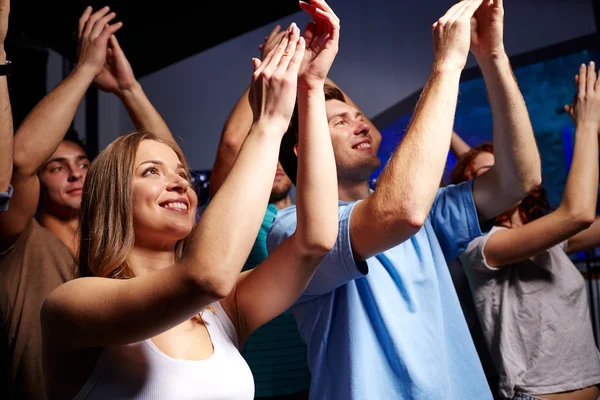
pixel 396 332
pixel 5 198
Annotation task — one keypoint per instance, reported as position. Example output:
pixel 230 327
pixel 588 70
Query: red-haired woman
pixel 161 309
pixel 530 298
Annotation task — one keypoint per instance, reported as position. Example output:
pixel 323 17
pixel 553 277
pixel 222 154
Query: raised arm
pixel 273 286
pixel 577 209
pixel 117 77
pixel 408 184
pixel 458 146
pixel 42 131
pixel 6 121
pixel 517 167
pixel 96 312
pixel 237 125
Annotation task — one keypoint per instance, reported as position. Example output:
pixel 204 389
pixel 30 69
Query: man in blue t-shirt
pixel 381 318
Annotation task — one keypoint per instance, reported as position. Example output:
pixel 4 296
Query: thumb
pixel 256 63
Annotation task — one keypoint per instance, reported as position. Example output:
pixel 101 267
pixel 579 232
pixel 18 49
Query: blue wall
pixel 546 87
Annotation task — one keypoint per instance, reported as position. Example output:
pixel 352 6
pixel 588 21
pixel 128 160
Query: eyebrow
pixel 158 162
pixel 63 159
pixel 343 113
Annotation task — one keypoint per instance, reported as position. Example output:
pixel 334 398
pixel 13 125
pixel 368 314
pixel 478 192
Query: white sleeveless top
pixel 141 371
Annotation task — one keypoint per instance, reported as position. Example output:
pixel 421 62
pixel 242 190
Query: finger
pixel 273 53
pixel 451 11
pixel 99 25
pixel 114 43
pixel 470 8
pixel 309 33
pixel 256 63
pixel 333 24
pixel 280 49
pixel 93 18
pixel 591 78
pixel 83 19
pixel 274 32
pixel 321 4
pixel 308 8
pixel 290 49
pixel 581 81
pixel 109 30
pixel 296 61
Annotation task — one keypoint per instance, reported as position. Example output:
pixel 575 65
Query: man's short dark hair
pixel 73 136
pixel 287 156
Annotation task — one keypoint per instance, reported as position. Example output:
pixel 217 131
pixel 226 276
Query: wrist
pixel 311 86
pixel 84 71
pixel 497 58
pixel 270 127
pixel 130 91
pixel 2 55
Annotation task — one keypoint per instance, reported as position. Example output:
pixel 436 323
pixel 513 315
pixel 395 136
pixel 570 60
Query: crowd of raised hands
pixel 149 281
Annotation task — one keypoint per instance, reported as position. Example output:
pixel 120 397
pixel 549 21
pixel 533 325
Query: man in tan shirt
pixel 49 169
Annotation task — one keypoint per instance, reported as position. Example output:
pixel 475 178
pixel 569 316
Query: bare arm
pixel 273 286
pixel 117 77
pixel 6 121
pixel 95 312
pixel 234 133
pixel 586 239
pixel 458 146
pixel 42 131
pixel 517 167
pixel 408 184
pixel 578 205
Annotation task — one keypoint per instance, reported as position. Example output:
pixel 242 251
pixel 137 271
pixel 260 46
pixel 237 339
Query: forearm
pixel 234 133
pixel 222 240
pixel 6 131
pixel 408 184
pixel 581 189
pixel 517 162
pixel 458 146
pixel 42 131
pixel 316 194
pixel 143 114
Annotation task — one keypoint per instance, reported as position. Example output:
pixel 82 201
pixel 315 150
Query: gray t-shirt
pixel 536 320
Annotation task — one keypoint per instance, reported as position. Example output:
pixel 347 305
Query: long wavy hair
pixel 534 206
pixel 106 214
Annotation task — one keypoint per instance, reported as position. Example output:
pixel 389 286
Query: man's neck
pixel 349 190
pixel 65 230
pixel 283 202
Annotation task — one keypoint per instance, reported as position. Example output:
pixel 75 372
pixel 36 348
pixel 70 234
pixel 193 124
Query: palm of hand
pixel 317 57
pixel 488 30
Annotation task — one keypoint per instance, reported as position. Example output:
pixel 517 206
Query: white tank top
pixel 141 371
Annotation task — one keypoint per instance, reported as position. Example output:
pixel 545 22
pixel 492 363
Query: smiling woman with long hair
pixel 530 299
pixel 161 308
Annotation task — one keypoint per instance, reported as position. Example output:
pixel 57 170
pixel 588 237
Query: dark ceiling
pixel 155 34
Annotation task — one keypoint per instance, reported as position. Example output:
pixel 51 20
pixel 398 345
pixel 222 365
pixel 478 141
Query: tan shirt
pixel 29 270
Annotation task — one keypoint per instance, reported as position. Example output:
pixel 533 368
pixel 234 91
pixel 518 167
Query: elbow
pixel 230 146
pixel 583 220
pixel 316 244
pixel 579 220
pixel 532 182
pixel 22 163
pixel 213 284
